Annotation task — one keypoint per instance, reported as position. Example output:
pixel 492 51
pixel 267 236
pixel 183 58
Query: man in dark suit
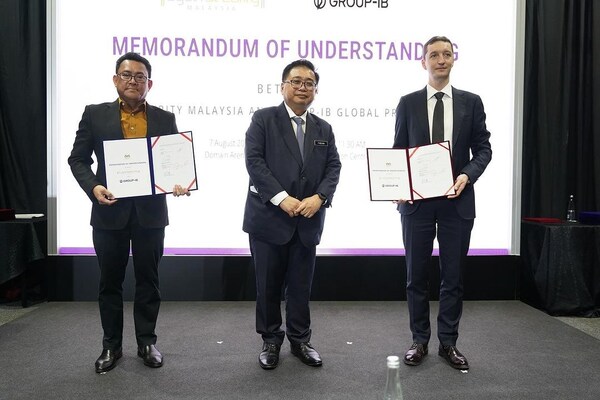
pixel 294 168
pixel 452 217
pixel 116 223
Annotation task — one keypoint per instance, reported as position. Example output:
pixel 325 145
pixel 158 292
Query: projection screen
pixel 215 62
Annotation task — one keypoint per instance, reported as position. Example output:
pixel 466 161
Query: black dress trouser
pixel 112 249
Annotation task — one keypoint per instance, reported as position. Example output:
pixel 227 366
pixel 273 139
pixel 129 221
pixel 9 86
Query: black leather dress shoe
pixel 108 360
pixel 454 357
pixel 151 356
pixel 416 353
pixel 269 356
pixel 307 354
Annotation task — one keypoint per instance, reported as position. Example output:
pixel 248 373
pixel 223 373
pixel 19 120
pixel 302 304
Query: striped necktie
pixel 300 134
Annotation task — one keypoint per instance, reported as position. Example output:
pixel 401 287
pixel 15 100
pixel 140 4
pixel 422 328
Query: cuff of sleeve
pixel 278 198
pixel 323 198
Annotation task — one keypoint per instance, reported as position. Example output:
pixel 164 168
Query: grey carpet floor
pixel 211 350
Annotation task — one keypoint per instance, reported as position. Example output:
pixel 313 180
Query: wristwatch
pixel 322 197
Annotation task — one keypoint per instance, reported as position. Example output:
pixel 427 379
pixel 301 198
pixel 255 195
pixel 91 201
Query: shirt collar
pixel 142 107
pixel 292 114
pixel 447 90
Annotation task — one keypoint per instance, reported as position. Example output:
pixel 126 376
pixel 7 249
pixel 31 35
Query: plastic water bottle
pixel 571 215
pixel 393 389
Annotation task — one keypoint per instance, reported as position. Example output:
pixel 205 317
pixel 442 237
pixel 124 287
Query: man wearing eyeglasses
pixel 294 168
pixel 139 221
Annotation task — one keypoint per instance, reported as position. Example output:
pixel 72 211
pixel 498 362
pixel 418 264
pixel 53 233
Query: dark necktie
pixel 437 129
pixel 300 134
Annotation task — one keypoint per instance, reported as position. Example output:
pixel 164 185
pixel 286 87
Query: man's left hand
pixel 179 190
pixel 459 185
pixel 309 206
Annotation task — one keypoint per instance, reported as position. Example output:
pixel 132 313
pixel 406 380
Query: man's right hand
pixel 289 205
pixel 103 195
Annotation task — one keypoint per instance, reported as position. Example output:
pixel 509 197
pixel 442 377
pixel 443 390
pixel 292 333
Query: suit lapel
pixel 152 126
pixel 312 131
pixel 458 107
pixel 284 126
pixel 423 119
pixel 113 121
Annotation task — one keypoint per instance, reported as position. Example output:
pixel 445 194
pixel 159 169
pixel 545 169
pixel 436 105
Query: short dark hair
pixel 299 63
pixel 433 40
pixel 134 57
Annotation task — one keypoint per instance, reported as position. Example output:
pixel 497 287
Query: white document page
pixel 431 171
pixel 173 162
pixel 388 174
pixel 127 167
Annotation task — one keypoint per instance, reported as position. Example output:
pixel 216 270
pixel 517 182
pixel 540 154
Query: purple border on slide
pixel 184 251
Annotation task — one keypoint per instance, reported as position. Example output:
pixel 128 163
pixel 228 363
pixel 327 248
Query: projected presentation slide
pixel 215 62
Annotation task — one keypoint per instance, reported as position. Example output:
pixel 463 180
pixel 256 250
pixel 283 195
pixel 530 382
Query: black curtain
pixel 561 116
pixel 23 105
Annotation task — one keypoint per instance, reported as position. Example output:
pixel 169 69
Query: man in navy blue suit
pixel 294 168
pixel 450 218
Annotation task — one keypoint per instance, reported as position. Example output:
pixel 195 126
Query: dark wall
pixel 232 278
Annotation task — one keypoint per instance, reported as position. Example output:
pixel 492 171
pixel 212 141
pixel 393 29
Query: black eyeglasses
pixel 139 78
pixel 297 84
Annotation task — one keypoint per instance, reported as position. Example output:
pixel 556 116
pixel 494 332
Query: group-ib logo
pixel 351 3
